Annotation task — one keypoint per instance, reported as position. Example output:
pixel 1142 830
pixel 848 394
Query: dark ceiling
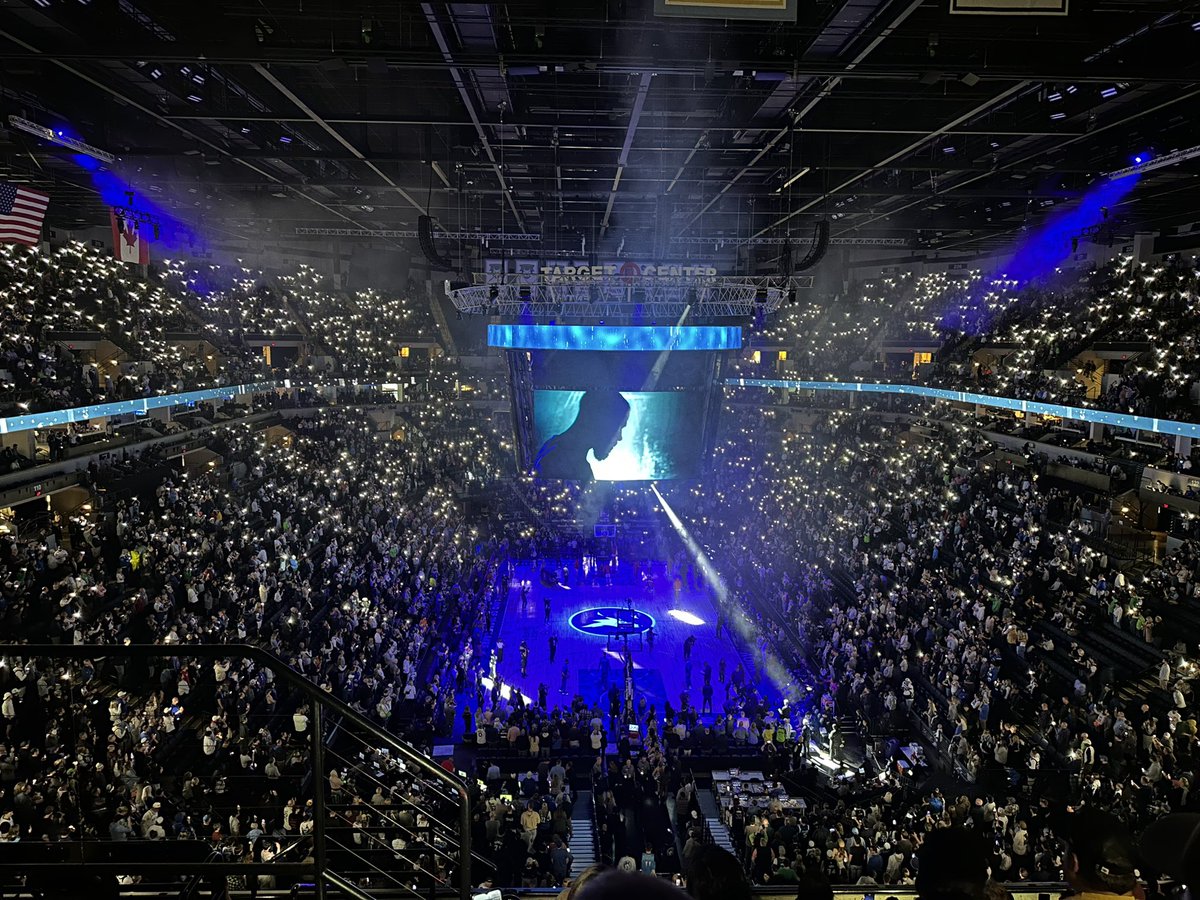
pixel 595 123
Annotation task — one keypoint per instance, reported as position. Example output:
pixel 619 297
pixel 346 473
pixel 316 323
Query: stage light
pixel 1150 162
pixel 59 138
pixel 1144 157
pixel 1108 92
pixel 687 618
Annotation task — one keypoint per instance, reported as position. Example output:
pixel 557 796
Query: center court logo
pixel 612 621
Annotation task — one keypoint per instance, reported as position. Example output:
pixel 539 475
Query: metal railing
pixel 444 831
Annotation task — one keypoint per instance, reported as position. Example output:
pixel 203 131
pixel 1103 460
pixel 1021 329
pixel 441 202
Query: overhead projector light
pixel 57 137
pixel 1158 162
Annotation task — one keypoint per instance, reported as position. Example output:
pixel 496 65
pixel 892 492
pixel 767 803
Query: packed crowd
pixel 908 579
pixel 940 591
pixel 79 327
pixel 946 594
pixel 898 589
pixel 1031 341
pixel 1049 327
pixel 361 591
pixel 75 289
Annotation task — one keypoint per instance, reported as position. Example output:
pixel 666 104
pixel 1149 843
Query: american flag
pixel 21 214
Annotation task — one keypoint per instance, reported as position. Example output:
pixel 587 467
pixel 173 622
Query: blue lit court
pixel 592 621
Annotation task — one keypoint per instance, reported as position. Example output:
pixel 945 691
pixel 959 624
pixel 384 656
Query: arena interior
pixel 600 449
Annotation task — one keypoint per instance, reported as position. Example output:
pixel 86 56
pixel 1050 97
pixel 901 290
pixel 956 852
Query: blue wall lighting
pixel 141 406
pixel 1076 413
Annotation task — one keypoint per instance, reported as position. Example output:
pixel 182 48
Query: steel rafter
pixel 410 233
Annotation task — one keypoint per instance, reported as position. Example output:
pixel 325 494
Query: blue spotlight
pixel 775 673
pixel 1043 248
pixel 1143 156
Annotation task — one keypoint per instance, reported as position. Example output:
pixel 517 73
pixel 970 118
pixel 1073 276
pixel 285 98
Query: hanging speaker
pixel 819 245
pixel 425 235
pixel 785 260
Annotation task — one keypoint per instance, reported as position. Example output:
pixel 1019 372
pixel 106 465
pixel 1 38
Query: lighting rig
pixel 623 297
pixel 126 214
pixel 58 137
pixel 1146 163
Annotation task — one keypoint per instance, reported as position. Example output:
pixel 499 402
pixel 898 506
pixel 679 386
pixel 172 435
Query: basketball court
pixel 586 621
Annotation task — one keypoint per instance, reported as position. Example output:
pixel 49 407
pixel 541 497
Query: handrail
pixel 319 697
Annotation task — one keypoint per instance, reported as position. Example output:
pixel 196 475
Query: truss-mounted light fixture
pixel 63 140
pixel 1157 162
pixel 125 214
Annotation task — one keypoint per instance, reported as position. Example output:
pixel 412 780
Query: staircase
pixel 712 819
pixel 583 837
pixel 503 589
pixel 443 324
pixel 437 828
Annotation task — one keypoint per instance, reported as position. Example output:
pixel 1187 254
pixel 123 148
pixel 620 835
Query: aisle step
pixel 583 837
pixel 712 817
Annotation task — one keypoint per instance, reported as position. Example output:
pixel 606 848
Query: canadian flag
pixel 129 245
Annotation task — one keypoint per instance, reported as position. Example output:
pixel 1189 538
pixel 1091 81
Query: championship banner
pixel 770 10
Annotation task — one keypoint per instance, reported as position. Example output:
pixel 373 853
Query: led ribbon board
pixel 615 337
pixel 1078 414
pixel 124 407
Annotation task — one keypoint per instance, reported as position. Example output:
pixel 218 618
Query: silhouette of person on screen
pixel 599 425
